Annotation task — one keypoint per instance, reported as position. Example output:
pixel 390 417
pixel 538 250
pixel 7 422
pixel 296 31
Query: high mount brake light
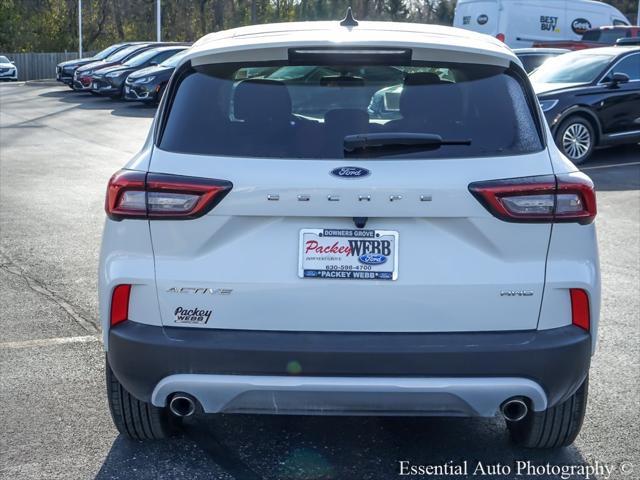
pixel 544 199
pixel 132 194
pixel 350 56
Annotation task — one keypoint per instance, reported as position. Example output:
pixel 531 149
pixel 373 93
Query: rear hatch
pixel 324 230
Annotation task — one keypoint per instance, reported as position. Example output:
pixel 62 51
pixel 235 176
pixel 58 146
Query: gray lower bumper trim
pixel 350 395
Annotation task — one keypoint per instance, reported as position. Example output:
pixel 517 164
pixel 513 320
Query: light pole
pixel 158 20
pixel 80 28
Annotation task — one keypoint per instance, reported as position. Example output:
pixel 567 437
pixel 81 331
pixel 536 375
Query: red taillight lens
pixel 580 312
pixel 132 194
pixel 120 304
pixel 500 37
pixel 543 199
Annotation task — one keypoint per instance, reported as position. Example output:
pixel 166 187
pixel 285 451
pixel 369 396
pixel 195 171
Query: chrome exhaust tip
pixel 182 405
pixel 514 409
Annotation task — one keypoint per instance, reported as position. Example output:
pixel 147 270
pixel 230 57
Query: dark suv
pixel 591 98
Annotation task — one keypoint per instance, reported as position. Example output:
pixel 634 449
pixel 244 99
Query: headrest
pixel 426 94
pixel 261 100
pixel 421 78
pixel 341 81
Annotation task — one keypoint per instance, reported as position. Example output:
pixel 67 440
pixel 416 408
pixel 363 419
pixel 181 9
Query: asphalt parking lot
pixel 57 151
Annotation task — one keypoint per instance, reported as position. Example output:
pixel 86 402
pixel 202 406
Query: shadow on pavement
pixel 87 101
pixel 250 447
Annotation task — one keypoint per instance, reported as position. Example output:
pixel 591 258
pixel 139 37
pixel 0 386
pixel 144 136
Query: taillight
pixel 120 304
pixel 500 37
pixel 580 312
pixel 132 194
pixel 544 199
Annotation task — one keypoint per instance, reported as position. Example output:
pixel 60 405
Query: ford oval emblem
pixel 372 259
pixel 350 172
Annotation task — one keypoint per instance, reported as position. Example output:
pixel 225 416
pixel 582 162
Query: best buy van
pixel 520 23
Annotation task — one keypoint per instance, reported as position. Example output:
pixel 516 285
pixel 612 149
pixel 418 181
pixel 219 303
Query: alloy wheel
pixel 576 141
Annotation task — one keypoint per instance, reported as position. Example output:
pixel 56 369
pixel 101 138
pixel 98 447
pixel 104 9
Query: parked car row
pixel 107 72
pixel 8 70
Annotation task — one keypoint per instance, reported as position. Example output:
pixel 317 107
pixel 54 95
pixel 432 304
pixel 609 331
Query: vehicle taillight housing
pixel 120 304
pixel 501 37
pixel 158 196
pixel 580 311
pixel 542 199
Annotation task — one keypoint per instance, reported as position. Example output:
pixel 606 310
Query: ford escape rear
pixel 350 219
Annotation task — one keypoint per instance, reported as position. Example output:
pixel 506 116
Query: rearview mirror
pixel 153 64
pixel 618 78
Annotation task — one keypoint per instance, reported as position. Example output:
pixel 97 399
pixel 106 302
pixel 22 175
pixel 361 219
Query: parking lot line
pixel 597 167
pixel 45 342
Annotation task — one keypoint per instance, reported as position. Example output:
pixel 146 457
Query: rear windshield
pixel 309 111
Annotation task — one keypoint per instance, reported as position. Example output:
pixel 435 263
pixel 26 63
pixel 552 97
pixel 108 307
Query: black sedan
pixel 64 70
pixel 148 84
pixel 110 81
pixel 591 98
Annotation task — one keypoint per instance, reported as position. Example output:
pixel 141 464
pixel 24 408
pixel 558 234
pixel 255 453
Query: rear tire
pixel 133 418
pixel 554 427
pixel 576 139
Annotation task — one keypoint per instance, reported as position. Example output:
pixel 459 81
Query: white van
pixel 520 23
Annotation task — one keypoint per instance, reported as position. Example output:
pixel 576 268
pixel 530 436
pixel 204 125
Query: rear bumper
pixel 297 372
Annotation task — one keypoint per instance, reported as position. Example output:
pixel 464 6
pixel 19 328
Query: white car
pixel 8 70
pixel 274 249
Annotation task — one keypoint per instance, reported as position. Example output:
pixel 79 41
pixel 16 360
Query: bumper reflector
pixel 120 304
pixel 580 314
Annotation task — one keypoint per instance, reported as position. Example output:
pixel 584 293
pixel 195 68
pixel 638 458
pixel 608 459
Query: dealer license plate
pixel 348 254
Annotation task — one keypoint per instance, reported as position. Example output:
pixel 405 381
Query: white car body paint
pixel 454 258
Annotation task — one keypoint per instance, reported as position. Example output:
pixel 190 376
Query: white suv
pixel 350 219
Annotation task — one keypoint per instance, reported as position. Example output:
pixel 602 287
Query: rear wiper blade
pixel 376 144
